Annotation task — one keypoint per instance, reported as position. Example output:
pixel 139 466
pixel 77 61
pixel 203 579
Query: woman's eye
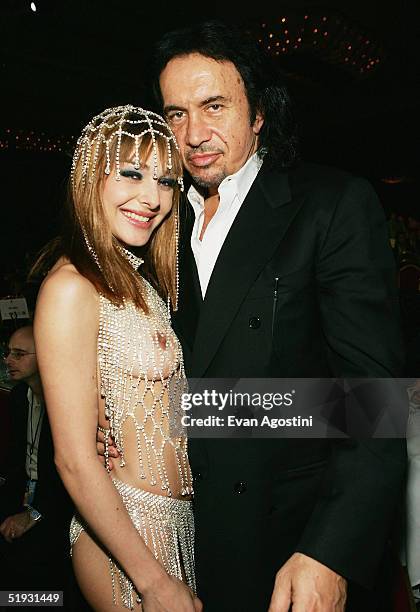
pixel 167 181
pixel 133 174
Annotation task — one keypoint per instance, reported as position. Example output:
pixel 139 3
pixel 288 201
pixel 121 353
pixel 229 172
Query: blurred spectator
pixel 393 229
pixel 404 237
pixel 35 510
pixel 413 228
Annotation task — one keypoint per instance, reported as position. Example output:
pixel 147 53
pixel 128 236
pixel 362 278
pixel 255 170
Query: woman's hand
pixel 170 595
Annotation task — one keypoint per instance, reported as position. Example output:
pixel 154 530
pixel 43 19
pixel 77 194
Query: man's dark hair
pixel 264 86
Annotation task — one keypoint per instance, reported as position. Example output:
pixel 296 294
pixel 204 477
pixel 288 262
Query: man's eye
pixel 133 174
pixel 175 116
pixel 167 181
pixel 215 107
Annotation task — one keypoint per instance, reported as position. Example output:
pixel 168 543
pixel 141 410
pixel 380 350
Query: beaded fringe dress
pixel 142 377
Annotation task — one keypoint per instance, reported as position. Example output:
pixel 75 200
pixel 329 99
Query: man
pixel 285 272
pixel 35 510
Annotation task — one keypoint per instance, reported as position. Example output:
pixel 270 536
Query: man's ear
pixel 258 123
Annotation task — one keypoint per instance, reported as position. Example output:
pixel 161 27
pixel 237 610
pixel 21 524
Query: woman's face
pixel 137 203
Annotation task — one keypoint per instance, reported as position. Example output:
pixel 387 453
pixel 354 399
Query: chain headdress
pixel 114 123
pixel 101 139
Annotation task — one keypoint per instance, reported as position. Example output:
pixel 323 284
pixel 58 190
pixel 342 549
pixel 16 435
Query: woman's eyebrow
pixel 132 160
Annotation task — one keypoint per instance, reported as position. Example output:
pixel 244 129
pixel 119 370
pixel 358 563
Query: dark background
pixel 69 60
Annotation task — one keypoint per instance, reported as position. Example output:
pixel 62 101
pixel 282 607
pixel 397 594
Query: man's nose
pixel 197 130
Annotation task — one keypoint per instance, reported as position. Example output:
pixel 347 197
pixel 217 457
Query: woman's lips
pixel 138 219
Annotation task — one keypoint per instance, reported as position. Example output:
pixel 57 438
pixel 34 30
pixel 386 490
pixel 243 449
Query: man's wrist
pixel 33 514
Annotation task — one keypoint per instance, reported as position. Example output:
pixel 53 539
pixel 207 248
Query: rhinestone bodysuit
pixel 142 375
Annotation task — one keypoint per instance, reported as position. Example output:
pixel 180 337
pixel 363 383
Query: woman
pixel 109 360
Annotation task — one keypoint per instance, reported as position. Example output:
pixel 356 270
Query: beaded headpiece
pixel 114 123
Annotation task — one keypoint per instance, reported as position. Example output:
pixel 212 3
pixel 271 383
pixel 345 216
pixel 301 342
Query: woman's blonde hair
pixel 87 240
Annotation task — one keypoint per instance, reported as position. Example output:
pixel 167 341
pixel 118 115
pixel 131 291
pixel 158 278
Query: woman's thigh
pixel 91 568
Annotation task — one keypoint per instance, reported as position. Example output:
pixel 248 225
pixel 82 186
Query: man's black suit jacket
pixel 46 544
pixel 322 233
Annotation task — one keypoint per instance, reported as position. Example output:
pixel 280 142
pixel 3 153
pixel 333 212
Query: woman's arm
pixel 66 329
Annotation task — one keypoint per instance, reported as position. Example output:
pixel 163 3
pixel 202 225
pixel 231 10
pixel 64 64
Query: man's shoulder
pixel 324 187
pixel 18 404
pixel 308 176
pixel 19 392
pixel 316 187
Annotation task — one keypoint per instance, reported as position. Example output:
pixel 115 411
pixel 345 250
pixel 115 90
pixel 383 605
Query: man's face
pixel 21 361
pixel 206 105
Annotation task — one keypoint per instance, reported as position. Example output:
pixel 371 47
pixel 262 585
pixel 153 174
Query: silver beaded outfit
pixel 142 376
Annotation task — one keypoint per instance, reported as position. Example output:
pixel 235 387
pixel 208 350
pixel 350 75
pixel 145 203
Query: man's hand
pixel 305 585
pixel 14 526
pixel 415 397
pixel 100 447
pixel 170 595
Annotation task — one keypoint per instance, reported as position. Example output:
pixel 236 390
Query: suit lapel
pixel 252 240
pixel 190 299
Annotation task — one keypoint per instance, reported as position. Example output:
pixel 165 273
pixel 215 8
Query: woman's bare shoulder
pixel 64 283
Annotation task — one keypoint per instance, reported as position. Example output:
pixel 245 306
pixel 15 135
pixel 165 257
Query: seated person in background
pixel 35 509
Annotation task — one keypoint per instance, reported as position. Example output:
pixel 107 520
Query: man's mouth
pixel 203 159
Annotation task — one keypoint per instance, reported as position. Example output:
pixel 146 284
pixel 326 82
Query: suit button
pixel 240 487
pixel 254 322
pixel 198 476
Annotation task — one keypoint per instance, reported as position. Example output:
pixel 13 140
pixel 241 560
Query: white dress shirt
pixel 232 192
